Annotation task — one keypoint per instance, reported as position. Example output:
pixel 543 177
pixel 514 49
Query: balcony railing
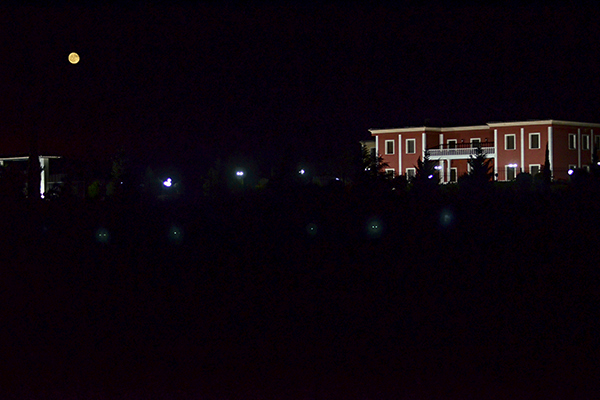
pixel 461 149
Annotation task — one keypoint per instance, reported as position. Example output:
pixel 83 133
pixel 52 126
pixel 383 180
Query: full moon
pixel 73 58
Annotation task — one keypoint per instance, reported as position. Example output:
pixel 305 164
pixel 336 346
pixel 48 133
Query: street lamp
pixel 240 176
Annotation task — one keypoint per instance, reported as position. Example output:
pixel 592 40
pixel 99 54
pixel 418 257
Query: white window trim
pixel 531 135
pixel 506 168
pixel 386 146
pixel 390 171
pixel 574 136
pixel 414 171
pixel 475 139
pixel 506 141
pixel 535 165
pixel 455 141
pixel 414 146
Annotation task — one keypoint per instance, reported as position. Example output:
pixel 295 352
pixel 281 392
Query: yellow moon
pixel 73 58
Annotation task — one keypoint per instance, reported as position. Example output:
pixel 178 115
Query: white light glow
pixel 168 182
pixel 240 173
pixel 301 172
pixel 570 172
pixel 438 167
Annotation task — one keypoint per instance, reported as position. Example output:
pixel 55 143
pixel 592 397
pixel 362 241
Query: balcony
pixel 461 150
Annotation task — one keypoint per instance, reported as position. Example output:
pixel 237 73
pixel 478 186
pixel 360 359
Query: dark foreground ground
pixel 322 294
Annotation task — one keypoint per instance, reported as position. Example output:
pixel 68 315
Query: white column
pixel 400 172
pixel 592 146
pixel 551 150
pixel 423 138
pixel 441 139
pixel 376 146
pixel 522 166
pixel 449 169
pixel 497 148
pixel 578 147
pixel 44 167
pixel 442 177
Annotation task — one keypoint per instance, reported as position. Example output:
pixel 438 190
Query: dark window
pixel 572 141
pixel 510 142
pixel 534 141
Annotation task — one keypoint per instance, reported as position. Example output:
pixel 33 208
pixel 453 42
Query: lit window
pixel 411 146
pixel 572 141
pixel 534 140
pixel 571 169
pixel 389 147
pixel 510 142
pixel 511 172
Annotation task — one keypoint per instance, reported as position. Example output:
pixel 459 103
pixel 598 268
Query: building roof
pixel 486 126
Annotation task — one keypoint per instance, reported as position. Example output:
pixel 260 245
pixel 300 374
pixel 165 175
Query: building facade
pixel 514 147
pixel 47 180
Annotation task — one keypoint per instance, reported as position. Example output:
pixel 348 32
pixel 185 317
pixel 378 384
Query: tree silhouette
pixel 546 171
pixel 425 176
pixel 480 168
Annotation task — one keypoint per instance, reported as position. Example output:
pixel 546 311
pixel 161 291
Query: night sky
pixel 190 82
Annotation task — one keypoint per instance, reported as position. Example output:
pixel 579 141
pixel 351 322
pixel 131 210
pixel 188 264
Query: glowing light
pixel 438 167
pixel 512 165
pixel 570 172
pixel 73 58
pixel 311 229
pixel 175 234
pixel 240 173
pixel 301 172
pixel 430 176
pixel 168 182
pixel 102 235
pixel 374 228
pixel 446 218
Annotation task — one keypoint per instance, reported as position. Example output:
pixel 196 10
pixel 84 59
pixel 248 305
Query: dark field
pixel 315 293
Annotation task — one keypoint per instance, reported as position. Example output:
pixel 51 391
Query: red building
pixel 513 147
